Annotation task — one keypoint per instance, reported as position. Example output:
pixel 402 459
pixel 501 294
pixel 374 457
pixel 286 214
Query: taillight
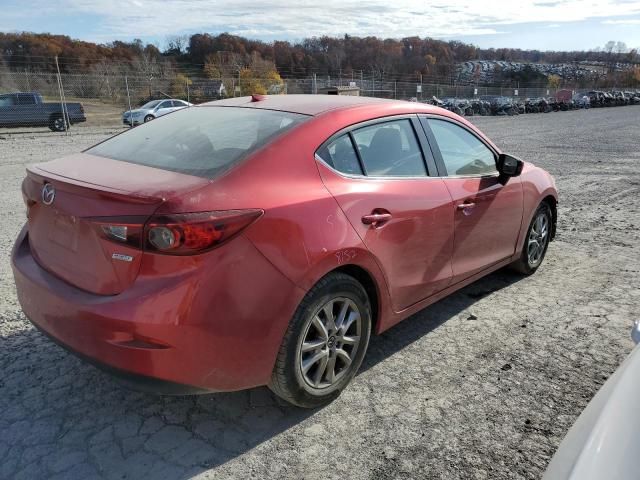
pixel 189 233
pixel 177 234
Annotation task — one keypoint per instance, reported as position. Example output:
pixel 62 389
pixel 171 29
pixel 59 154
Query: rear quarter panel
pixel 303 231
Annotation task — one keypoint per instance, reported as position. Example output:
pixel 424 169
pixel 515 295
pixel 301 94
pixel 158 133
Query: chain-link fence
pixel 67 101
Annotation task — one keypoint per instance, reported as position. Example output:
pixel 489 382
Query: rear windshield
pixel 201 141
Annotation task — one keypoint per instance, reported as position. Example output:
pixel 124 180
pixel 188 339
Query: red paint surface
pixel 216 320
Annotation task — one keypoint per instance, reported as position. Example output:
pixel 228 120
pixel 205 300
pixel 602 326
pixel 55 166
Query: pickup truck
pixel 27 109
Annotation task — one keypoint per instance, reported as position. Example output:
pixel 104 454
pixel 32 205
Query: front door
pixel 487 209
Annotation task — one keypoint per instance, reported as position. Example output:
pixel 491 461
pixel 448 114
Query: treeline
pixel 224 53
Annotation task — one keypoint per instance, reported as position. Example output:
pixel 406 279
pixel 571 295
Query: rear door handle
pixel 462 206
pixel 376 219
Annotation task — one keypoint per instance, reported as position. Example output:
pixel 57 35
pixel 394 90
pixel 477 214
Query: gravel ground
pixel 482 385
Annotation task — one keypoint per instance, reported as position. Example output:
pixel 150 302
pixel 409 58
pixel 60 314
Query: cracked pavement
pixel 482 385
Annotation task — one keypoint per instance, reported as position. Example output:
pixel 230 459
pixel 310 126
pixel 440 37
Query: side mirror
pixel 509 166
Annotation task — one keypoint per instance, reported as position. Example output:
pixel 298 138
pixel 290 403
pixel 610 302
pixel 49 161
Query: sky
pixel 541 24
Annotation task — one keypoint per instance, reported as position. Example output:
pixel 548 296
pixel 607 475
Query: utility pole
pixel 126 82
pixel 62 102
pixel 373 80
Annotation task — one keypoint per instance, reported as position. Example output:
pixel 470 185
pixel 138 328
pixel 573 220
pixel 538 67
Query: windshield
pixel 151 104
pixel 201 141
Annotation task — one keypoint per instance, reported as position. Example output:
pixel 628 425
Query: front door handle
pixel 376 219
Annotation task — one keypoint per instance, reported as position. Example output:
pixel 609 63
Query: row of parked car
pixel 501 105
pixel 488 70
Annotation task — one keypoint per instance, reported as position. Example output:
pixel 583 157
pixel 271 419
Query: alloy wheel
pixel 538 239
pixel 330 342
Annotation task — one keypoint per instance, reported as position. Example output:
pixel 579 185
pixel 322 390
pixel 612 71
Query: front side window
pixel 201 141
pixel 340 155
pixel 462 152
pixel 165 104
pixel 390 149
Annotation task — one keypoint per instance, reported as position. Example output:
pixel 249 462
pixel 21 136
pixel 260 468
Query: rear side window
pixel 341 155
pixel 390 149
pixel 201 141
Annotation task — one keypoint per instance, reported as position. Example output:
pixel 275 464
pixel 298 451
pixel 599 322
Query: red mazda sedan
pixel 262 240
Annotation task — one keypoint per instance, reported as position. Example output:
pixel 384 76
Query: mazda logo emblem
pixel 48 194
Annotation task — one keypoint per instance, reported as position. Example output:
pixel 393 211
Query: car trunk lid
pixel 64 230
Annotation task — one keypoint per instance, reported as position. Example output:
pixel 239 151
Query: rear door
pixel 178 104
pixel 379 175
pixel 487 209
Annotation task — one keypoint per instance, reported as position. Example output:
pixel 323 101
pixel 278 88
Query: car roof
pixel 305 104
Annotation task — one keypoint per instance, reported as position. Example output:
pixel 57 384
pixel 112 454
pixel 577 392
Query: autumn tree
pixel 554 81
pixel 211 68
pixel 260 76
pixel 179 85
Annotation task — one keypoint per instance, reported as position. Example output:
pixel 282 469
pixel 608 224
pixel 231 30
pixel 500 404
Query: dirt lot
pixel 482 385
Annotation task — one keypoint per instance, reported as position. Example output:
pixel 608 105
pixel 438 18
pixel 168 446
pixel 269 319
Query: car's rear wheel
pixel 536 241
pixel 57 124
pixel 148 118
pixel 324 344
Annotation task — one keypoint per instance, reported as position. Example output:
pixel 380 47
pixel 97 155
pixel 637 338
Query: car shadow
pixel 58 409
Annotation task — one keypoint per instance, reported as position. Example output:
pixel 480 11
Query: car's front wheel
pixel 148 118
pixel 325 342
pixel 537 240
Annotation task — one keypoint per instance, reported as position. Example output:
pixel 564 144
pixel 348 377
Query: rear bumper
pixel 202 329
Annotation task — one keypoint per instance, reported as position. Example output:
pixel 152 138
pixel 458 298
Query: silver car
pixel 153 109
pixel 603 443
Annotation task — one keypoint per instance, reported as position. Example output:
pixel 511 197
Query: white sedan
pixel 153 109
pixel 603 443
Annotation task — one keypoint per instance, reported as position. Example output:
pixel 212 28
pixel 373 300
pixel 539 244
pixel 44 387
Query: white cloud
pixel 286 19
pixel 629 21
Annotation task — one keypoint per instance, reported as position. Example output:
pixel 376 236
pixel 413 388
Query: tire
pixel 314 387
pixel 528 264
pixel 57 124
pixel 148 118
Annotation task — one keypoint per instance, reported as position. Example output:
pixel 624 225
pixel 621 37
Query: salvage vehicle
pixel 261 240
pixel 152 110
pixel 28 109
pixel 602 443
